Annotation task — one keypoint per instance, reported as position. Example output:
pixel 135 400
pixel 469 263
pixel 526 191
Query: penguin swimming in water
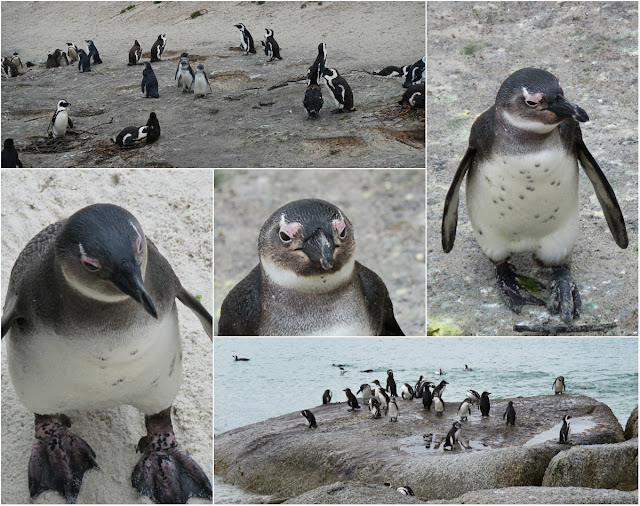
pixel 393 409
pixel 406 392
pixel 307 269
pixel 158 47
pixel 565 430
pixel 485 404
pixel 94 267
pixel 391 384
pixel 352 400
pixel 149 82
pixel 438 372
pixel 310 418
pixel 201 86
pixel 463 410
pixel 416 73
pixel 10 157
pixel 72 51
pixel 60 120
pixel 186 75
pixel 236 358
pixel 340 89
pixel 246 40
pixel 153 133
pixel 522 187
pixel 467 368
pixel 135 53
pixel 271 47
pixel 559 385
pixel 84 62
pixel 326 397
pixel 366 392
pixel 92 51
pixel 453 436
pixel 427 398
pixel 510 414
pixel 130 135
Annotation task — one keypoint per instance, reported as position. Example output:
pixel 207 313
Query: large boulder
pixel 595 466
pixel 547 495
pixel 631 430
pixel 283 457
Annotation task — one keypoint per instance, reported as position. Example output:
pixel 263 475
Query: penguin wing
pixel 240 311
pixel 604 192
pixel 450 214
pixel 199 310
pixel 378 301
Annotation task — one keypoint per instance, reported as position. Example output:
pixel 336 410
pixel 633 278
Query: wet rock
pixel 282 457
pixel 631 430
pixel 595 466
pixel 547 495
pixel 353 492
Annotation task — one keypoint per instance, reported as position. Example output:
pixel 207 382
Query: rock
pixel 353 492
pixel 547 495
pixel 282 457
pixel 631 430
pixel 595 466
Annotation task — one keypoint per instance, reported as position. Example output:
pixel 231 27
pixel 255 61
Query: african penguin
pixel 565 430
pixel 135 53
pixel 366 392
pixel 307 281
pixel 393 409
pixel 60 120
pixel 178 76
pixel 94 267
pixel 352 401
pixel 463 410
pixel 9 68
pixel 382 397
pixel 416 73
pixel 473 396
pixel 439 390
pixel 522 186
pixel 84 62
pixel 153 133
pixel 414 96
pixel 427 398
pixel 559 385
pixel 310 418
pixel 326 397
pixel 340 89
pixel 391 383
pixel 374 406
pixel 438 404
pixel 510 414
pixel 406 392
pixel 130 135
pixel 186 75
pixel 149 82
pixel 453 435
pixel 236 358
pixel 15 59
pixel 271 47
pixel 467 368
pixel 392 71
pixel 201 86
pixel 72 51
pixel 10 157
pixel 158 47
pixel 92 51
pixel 246 40
pixel 485 404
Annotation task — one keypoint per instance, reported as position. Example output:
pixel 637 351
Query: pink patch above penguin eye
pixel 288 231
pixel 341 227
pixel 91 264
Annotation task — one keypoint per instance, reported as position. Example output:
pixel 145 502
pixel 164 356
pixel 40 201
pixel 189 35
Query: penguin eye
pixel 91 264
pixel 343 233
pixel 284 237
pixel 531 103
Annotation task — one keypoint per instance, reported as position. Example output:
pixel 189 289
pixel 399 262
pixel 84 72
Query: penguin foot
pixel 513 293
pixel 566 298
pixel 165 472
pixel 59 458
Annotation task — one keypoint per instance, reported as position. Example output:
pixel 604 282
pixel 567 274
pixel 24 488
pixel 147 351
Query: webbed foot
pixel 165 472
pixel 512 292
pixel 59 458
pixel 566 298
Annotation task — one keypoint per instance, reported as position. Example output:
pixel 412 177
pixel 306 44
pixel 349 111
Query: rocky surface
pixel 283 457
pixel 595 466
pixel 353 492
pixel 631 429
pixel 546 495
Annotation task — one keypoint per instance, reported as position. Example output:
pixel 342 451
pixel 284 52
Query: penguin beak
pixel 129 280
pixel 565 109
pixel 319 249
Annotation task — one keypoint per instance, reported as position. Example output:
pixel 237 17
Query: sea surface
pixel 290 374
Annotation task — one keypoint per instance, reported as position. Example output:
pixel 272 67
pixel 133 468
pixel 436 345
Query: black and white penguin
pixel 565 430
pixel 453 436
pixel 418 386
pixel 439 390
pixel 313 100
pixel 186 75
pixel 473 396
pixel 149 82
pixel 510 414
pixel 382 397
pixel 414 96
pixel 438 372
pixel 84 62
pixel 529 203
pixel 92 51
pixel 246 40
pixel 158 47
pixel 307 269
pixel 60 55
pixel 94 267
pixel 153 133
pixel 177 78
pixel 404 490
pixel 416 73
pixel 391 384
pixel 340 89
pixel 485 404
pixel 201 86
pixel 438 404
pixel 271 47
pixel 392 71
pixel 559 385
pixel 463 410
pixel 135 53
pixel 60 120
pixel 10 157
pixel 366 392
pixel 72 51
pixel 236 358
pixel 367 370
pixel 310 418
pixel 15 59
pixel 130 135
pixel 326 396
pixel 406 392
pixel 352 400
pixel 427 397
pixel 9 68
pixel 393 409
pixel 374 406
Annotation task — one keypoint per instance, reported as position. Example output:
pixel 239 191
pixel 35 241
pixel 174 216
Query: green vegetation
pixel 195 14
pixel 132 6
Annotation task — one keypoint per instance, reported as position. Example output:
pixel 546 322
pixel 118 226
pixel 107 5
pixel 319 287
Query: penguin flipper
pixel 199 310
pixel 604 192
pixel 378 301
pixel 10 313
pixel 450 214
pixel 240 311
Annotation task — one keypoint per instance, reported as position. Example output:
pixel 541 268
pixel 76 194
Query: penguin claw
pixel 512 292
pixel 59 458
pixel 566 298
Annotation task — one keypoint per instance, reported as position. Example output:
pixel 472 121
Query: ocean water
pixel 290 374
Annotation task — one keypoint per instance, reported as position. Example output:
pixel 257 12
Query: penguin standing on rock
pixel 130 135
pixel 559 385
pixel 149 82
pixel 366 392
pixel 438 404
pixel 341 90
pixel 60 120
pixel 565 430
pixel 271 47
pixel 374 406
pixel 485 404
pixel 135 53
pixel 453 436
pixel 510 414
pixel 92 51
pixel 201 86
pixel 153 133
pixel 15 59
pixel 10 155
pixel 9 68
pixel 326 397
pixel 246 40
pixel 183 57
pixel 427 398
pixel 522 187
pixel 463 410
pixel 352 400
pixel 158 47
pixel 391 384
pixel 310 418
pixel 84 62
pixel 308 281
pixel 393 409
pixel 406 392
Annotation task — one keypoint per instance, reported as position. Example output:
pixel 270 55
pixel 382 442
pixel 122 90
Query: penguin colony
pixel 197 82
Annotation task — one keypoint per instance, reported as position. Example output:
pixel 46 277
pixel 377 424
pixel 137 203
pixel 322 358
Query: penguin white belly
pixel 186 79
pixel 60 124
pixel 525 203
pixel 53 373
pixel 200 86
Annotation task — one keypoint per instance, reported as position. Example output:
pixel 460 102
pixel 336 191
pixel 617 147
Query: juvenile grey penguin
pixel 183 57
pixel 522 186
pixel 201 86
pixel 135 53
pixel 186 75
pixel 84 62
pixel 340 89
pixel 153 133
pixel 510 414
pixel 158 47
pixel 559 385
pixel 393 409
pixel 91 322
pixel 308 281
pixel 60 120
pixel 565 430
pixel 149 83
pixel 92 51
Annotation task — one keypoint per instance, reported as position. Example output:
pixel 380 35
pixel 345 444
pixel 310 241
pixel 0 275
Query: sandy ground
pixel 593 48
pixel 241 124
pixel 174 209
pixel 386 208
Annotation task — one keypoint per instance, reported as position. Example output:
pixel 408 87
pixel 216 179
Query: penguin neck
pixel 86 290
pixel 322 283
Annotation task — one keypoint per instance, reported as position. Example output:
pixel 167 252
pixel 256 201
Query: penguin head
pixel 8 144
pixel 102 252
pixel 240 27
pixel 532 99
pixel 309 238
pixel 200 67
pixel 268 34
pixel 62 105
